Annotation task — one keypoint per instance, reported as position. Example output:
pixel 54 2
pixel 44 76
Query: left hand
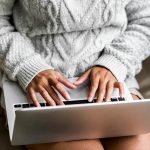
pixel 102 81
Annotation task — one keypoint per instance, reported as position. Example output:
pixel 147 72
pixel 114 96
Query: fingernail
pixel 75 83
pixel 121 95
pixel 90 99
pixel 37 105
pixel 74 86
pixel 68 97
pixel 54 104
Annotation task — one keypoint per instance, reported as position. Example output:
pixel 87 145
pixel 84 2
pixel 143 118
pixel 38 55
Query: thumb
pixel 83 78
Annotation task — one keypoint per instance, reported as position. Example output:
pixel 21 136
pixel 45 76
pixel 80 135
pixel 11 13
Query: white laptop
pixel 76 120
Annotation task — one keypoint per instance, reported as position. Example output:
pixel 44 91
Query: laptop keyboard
pixel 66 103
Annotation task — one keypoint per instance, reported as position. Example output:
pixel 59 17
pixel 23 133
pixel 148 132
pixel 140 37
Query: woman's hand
pixel 43 82
pixel 102 81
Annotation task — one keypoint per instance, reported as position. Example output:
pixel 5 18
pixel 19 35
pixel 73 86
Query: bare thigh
pixel 139 142
pixel 73 145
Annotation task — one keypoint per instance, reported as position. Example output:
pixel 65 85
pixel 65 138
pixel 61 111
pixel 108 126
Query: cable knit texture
pixel 73 35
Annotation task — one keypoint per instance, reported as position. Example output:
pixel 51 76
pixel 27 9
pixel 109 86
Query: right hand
pixel 43 82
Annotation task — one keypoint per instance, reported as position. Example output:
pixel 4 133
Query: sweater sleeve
pixel 124 56
pixel 18 58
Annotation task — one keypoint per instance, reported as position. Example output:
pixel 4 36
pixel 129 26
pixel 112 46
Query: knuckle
pixel 101 85
pixel 50 92
pixel 110 85
pixel 39 84
pixel 101 89
pixel 96 74
pixel 30 85
pixel 42 91
pixel 57 84
pixel 39 87
pixel 42 78
pixel 92 72
pixel 102 81
pixel 120 84
pixel 50 79
pixel 38 76
pixel 52 95
pixel 58 73
pixel 94 84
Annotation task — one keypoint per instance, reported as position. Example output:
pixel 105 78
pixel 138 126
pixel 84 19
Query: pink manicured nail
pixel 90 99
pixel 74 86
pixel 75 82
pixel 68 97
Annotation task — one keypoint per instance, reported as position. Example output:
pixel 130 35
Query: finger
pixel 121 88
pixel 101 91
pixel 46 96
pixel 57 85
pixel 32 95
pixel 109 91
pixel 93 87
pixel 66 82
pixel 83 78
pixel 54 95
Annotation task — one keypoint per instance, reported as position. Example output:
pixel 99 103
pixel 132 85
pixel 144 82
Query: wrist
pixel 114 65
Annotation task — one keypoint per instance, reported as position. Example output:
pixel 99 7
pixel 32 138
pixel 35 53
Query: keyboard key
pixel 43 104
pixel 47 104
pixel 114 99
pixel 76 102
pixel 121 99
pixel 17 106
pixel 25 105
pixel 32 105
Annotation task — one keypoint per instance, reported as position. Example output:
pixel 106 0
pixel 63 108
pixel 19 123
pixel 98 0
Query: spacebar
pixel 72 102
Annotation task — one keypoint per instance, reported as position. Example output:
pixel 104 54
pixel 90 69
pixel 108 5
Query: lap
pixel 72 145
pixel 138 142
pixel 119 143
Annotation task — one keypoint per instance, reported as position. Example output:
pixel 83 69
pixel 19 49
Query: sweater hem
pixel 30 69
pixel 117 68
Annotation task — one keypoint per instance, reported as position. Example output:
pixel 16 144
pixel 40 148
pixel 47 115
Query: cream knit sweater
pixel 73 35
